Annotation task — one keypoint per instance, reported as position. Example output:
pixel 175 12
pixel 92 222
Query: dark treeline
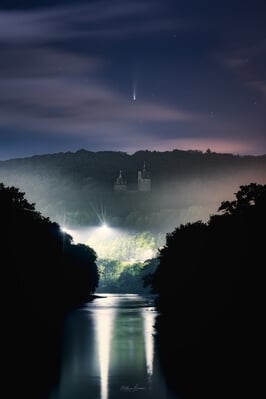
pixel 77 188
pixel 210 282
pixel 43 275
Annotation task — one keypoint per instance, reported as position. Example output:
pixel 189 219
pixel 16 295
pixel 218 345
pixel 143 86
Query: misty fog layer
pixel 77 189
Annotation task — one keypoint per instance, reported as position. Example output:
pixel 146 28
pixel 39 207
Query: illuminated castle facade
pixel 144 181
pixel 120 183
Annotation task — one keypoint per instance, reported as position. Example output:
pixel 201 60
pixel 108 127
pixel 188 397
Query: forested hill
pixel 186 185
pixel 104 166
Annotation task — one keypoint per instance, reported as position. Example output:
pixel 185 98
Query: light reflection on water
pixel 108 351
pixel 148 321
pixel 104 327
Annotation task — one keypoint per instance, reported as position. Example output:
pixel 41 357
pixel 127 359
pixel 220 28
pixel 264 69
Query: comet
pixel 134 95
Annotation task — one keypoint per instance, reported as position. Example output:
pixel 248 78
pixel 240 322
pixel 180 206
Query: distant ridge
pixel 82 150
pixel 104 166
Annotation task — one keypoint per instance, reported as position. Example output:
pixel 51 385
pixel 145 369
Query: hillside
pixel 76 188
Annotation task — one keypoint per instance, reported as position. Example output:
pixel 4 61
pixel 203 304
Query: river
pixel 109 353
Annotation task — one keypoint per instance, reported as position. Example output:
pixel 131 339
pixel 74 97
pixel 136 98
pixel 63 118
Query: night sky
pixel 127 75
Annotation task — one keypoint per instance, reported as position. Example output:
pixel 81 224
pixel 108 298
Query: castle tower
pixel 120 183
pixel 144 180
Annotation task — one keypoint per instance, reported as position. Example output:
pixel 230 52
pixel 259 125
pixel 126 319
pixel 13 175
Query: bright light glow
pixel 113 243
pixel 104 227
pixel 66 230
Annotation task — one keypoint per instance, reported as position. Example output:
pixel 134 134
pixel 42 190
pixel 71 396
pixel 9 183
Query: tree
pixel 210 282
pixel 247 197
pixel 42 264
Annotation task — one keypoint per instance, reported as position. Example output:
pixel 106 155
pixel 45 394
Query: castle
pixel 120 183
pixel 144 181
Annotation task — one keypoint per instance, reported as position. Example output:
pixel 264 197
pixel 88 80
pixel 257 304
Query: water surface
pixel 109 352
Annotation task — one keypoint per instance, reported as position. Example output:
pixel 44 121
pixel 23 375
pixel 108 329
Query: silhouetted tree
pixel 249 196
pixel 210 282
pixel 42 262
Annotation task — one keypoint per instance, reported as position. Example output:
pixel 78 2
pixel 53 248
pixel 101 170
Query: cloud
pixel 249 65
pixel 98 19
pixel 53 82
pixel 35 62
pixel 244 52
pixel 259 85
pixel 48 90
pixel 67 104
pixel 44 90
pixel 235 61
pixel 22 26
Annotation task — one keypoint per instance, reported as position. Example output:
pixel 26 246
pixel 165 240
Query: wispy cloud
pixel 259 85
pixel 98 19
pixel 48 91
pixel 33 61
pixel 249 64
pixel 67 72
pixel 67 104
pixel 235 61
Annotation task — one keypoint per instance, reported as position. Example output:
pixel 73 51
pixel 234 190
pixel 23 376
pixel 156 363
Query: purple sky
pixel 69 72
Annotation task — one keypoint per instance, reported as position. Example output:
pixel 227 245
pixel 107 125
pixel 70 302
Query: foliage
pixel 42 267
pixel 126 246
pixel 248 196
pixel 124 277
